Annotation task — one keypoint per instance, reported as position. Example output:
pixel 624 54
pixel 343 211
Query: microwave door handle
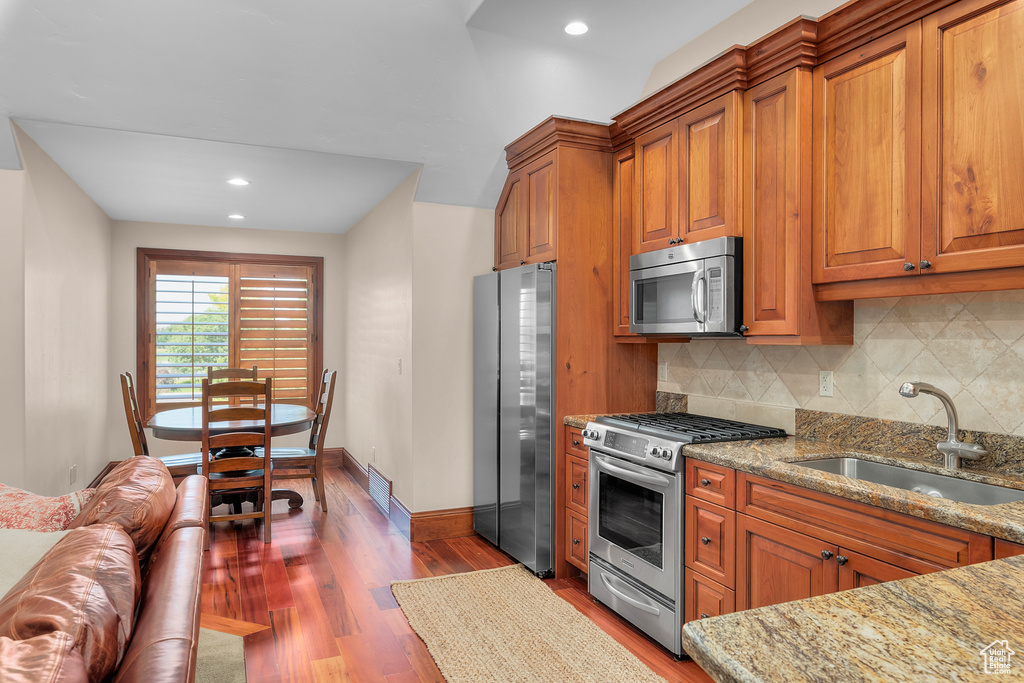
pixel 697 298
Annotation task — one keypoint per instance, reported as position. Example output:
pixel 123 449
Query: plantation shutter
pixel 275 327
pixel 192 320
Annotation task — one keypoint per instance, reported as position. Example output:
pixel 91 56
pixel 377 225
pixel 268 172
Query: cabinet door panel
pixel 657 188
pixel 576 552
pixel 710 540
pixel 540 185
pixel 868 156
pixel 709 169
pixel 857 571
pixel 509 220
pixel 576 484
pixel 778 565
pixel 973 212
pixel 622 242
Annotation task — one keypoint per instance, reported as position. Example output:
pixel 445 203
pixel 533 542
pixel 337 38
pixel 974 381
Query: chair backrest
pixel 215 373
pixel 214 439
pixel 133 414
pixel 325 400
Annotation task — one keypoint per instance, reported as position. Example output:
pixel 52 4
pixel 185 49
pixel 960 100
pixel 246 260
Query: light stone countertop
pixel 925 628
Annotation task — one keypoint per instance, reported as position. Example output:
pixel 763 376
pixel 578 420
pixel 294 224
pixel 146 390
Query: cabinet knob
pixel 841 560
pixel 704 615
pixel 494 269
pixel 522 263
pixel 705 482
pixel 705 540
pixel 575 486
pixel 575 443
pixel 575 541
pixel 908 266
pixel 826 554
pixel 924 264
pixel 744 329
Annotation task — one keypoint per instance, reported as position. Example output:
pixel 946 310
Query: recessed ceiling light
pixel 576 28
pixel 236 216
pixel 238 181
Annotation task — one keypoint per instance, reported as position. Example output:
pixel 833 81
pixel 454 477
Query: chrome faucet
pixel 952 449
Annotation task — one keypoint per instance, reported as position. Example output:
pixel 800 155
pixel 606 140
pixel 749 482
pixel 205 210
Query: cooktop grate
pixel 690 428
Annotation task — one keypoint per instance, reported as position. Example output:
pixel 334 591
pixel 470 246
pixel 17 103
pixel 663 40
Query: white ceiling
pixel 325 105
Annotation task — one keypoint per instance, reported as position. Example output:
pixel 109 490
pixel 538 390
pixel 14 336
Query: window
pixel 202 309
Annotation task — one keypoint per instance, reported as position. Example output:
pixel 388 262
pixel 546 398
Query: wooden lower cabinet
pixel 576 476
pixel 710 540
pixel 577 551
pixel 778 565
pixel 706 598
pixel 1007 549
pixel 857 571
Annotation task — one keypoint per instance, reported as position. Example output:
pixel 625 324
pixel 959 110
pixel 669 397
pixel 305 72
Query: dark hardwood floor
pixel 316 603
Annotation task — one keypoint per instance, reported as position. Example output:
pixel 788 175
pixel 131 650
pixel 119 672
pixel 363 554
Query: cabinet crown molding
pixel 554 131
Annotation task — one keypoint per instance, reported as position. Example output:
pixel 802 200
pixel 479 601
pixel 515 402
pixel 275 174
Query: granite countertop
pixel 774 458
pixel 925 628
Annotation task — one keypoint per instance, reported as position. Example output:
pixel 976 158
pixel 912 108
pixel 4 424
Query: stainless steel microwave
pixel 691 289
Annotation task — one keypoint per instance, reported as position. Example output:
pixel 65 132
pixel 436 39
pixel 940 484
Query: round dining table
pixel 186 424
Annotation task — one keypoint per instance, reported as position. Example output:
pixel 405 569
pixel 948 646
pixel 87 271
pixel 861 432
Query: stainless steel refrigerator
pixel 513 404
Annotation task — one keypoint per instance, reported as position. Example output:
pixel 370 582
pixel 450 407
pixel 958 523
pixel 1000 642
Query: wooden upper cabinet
pixel 656 195
pixel 709 139
pixel 623 165
pixel 973 206
pixel 539 178
pixel 524 221
pixel 867 151
pixel 508 223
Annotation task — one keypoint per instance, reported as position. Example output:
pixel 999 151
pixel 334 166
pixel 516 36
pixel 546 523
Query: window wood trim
pixel 144 306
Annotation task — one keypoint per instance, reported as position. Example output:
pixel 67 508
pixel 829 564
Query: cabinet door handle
pixel 924 264
pixel 575 486
pixel 522 263
pixel 841 560
pixel 575 443
pixel 575 541
pixel 705 482
pixel 704 615
pixel 826 554
pixel 705 540
pixel 908 266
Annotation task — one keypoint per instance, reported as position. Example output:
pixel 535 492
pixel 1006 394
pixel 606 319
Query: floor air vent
pixel 379 488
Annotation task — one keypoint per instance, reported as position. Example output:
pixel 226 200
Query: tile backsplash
pixel 969 345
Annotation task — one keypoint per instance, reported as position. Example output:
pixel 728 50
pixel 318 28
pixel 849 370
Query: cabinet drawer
pixel 713 483
pixel 706 598
pixel 576 484
pixel 711 540
pixel 576 552
pixel 1007 549
pixel 574 442
pixel 910 542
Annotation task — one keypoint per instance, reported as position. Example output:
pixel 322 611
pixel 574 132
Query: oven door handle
pixel 630 475
pixel 642 606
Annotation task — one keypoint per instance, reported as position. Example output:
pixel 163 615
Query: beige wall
pixel 12 332
pixel 969 345
pixel 745 26
pixel 378 334
pixel 451 245
pixel 128 236
pixel 66 324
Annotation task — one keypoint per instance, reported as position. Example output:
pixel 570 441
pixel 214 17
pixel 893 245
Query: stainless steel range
pixel 636 512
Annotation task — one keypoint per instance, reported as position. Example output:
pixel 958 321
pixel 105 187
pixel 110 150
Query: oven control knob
pixel 590 434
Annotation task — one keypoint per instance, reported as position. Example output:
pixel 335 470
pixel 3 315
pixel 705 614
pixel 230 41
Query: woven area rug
pixel 221 658
pixel 506 625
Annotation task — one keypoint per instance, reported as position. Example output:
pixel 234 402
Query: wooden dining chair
pixel 215 373
pixel 309 461
pixel 180 464
pixel 237 469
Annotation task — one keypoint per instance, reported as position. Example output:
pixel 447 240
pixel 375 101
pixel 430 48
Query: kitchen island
pixel 945 626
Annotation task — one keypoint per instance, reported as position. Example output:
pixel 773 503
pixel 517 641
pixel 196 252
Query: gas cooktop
pixel 690 428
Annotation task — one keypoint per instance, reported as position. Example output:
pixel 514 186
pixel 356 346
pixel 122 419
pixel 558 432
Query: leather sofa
pixel 117 598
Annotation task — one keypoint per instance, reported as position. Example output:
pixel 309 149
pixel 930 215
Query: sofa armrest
pixel 166 636
pixel 191 507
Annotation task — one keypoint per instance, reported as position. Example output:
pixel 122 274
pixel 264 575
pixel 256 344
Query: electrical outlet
pixel 825 383
pixel 663 371
pixel 73 474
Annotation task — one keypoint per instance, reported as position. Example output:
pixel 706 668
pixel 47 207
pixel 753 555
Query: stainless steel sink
pixel 937 485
